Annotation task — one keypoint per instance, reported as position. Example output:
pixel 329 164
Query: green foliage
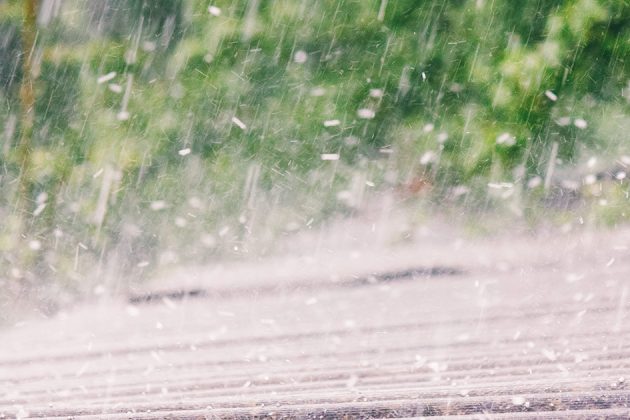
pixel 206 136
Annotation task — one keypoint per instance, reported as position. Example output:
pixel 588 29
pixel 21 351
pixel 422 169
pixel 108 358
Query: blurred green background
pixel 140 133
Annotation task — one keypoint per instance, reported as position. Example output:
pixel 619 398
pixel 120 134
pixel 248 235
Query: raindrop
pixel 310 301
pixel 132 311
pixel 366 113
pixel 551 96
pixel 35 245
pixel 149 46
pixel 534 182
pixel 40 208
pixel 158 205
pixel 506 139
pixel 580 123
pixel 114 87
pixel 208 240
pixel 331 123
pixel 239 123
pixel 195 202
pixel 300 57
pixel 106 77
pixel 122 116
pixel 330 156
pixel 376 93
pixel 427 158
pixel 563 121
pixel 214 10
pixel 352 140
pixel 549 354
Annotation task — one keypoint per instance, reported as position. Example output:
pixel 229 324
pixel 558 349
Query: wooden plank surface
pixel 503 329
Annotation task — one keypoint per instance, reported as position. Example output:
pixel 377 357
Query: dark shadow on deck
pixel 369 280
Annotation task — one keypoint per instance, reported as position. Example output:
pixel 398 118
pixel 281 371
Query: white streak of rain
pixel 551 165
pixel 106 77
pixel 381 11
pixel 123 114
pixel 239 123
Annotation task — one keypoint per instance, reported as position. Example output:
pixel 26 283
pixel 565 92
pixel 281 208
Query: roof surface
pixel 529 328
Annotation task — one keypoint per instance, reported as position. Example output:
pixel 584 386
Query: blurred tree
pixel 198 128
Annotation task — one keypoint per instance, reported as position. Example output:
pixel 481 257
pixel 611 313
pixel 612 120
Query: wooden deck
pixel 537 329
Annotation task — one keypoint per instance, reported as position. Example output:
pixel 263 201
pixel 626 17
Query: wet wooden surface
pixel 548 338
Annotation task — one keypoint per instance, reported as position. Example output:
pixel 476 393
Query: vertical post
pixel 23 150
pixel 27 110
